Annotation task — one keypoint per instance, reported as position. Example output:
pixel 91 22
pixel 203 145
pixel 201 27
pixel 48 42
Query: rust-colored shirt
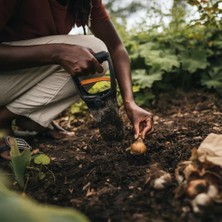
pixel 26 19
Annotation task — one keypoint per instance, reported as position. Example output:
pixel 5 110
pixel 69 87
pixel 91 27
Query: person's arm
pixel 76 60
pixel 140 118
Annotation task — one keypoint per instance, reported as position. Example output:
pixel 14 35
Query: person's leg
pixel 39 106
pixel 6 117
pixel 46 91
pixel 33 128
pixel 16 100
pixel 15 83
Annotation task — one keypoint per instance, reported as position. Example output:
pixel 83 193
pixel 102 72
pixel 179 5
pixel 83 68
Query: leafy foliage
pixel 78 107
pixel 15 207
pixel 19 161
pixel 24 164
pixel 186 53
pixel 193 60
pixel 42 159
pixel 181 55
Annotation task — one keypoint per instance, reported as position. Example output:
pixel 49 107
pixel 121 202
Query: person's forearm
pixel 15 57
pixel 123 73
pixel 119 57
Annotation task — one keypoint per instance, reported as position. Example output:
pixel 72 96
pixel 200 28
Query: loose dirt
pixel 107 183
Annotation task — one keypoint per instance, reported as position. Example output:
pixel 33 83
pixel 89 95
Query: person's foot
pixel 58 132
pixel 4 151
pixel 27 127
pixel 7 142
pixel 4 154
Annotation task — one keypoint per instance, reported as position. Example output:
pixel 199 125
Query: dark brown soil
pixel 107 183
pixel 108 121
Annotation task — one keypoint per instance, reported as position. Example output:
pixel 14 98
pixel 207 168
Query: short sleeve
pixel 98 11
pixel 7 8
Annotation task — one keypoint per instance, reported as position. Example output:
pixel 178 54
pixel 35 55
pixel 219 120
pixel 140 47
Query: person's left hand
pixel 141 119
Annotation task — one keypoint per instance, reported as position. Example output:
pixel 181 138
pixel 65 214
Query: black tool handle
pixel 97 100
pixel 102 56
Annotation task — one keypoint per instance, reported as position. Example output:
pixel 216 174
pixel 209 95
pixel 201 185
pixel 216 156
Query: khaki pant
pixel 42 93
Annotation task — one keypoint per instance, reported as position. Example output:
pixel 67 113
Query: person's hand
pixel 77 60
pixel 141 119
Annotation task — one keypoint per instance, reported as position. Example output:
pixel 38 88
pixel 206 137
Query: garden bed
pixel 107 183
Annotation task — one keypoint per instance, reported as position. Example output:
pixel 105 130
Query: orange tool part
pixel 94 80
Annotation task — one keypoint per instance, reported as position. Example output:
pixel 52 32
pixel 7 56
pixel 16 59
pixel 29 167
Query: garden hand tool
pixel 103 105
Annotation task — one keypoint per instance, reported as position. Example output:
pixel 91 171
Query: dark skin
pixel 77 61
pixel 140 118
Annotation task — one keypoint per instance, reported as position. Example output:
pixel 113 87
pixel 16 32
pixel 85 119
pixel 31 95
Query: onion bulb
pixel 138 147
pixel 195 187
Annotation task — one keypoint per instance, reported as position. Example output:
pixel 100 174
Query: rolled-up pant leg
pixel 42 93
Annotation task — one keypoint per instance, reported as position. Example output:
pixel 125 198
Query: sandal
pixel 55 132
pixel 6 146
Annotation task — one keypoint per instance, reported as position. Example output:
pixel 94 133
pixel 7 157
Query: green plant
pixel 38 167
pixel 24 165
pixel 19 162
pixel 185 54
pixel 15 207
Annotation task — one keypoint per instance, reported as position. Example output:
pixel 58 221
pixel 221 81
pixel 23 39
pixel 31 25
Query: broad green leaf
pixel 19 161
pixel 165 62
pixel 79 107
pixel 157 57
pixel 213 79
pixel 136 89
pixel 194 59
pixel 213 83
pixel 146 79
pixel 42 159
pixel 100 86
pixel 14 207
pixel 144 98
pixel 217 44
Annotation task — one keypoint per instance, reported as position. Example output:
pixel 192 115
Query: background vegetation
pixel 174 48
pixel 180 48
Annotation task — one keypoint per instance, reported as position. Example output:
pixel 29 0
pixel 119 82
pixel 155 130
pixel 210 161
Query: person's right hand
pixel 77 60
pixel 141 119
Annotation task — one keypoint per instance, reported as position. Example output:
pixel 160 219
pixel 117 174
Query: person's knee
pixel 88 41
pixel 96 44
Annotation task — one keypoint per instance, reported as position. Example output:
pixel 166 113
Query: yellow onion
pixel 138 147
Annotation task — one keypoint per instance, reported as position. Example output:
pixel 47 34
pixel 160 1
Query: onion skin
pixel 138 147
pixel 195 187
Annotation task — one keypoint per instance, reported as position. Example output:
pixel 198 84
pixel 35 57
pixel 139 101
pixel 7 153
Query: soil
pixel 107 183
